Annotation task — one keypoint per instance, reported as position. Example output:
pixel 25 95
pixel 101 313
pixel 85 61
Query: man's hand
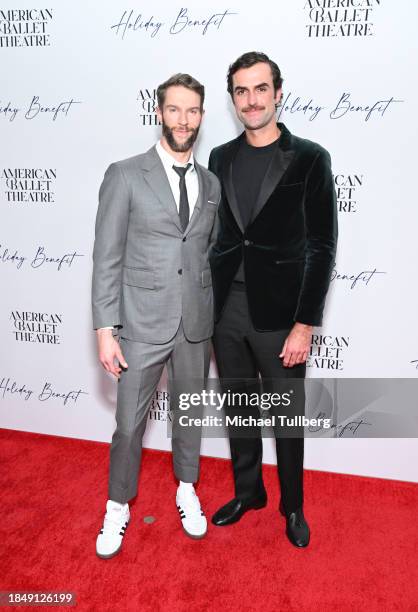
pixel 109 351
pixel 297 344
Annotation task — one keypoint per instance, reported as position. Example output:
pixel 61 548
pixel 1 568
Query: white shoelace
pixel 191 506
pixel 113 522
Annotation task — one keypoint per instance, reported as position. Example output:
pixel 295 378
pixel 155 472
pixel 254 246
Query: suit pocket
pixel 287 196
pixel 286 261
pixel 206 277
pixel 290 188
pixel 137 277
pixel 211 209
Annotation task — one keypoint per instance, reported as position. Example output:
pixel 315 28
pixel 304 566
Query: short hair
pixel 250 59
pixel 183 80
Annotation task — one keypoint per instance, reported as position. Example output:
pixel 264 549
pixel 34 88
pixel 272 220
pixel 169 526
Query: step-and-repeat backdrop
pixel 77 92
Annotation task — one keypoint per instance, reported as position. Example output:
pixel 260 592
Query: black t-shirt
pixel 248 170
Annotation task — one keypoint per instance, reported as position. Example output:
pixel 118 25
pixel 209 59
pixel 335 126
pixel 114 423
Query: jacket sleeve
pixel 215 229
pixel 217 198
pixel 109 248
pixel 213 164
pixel 321 240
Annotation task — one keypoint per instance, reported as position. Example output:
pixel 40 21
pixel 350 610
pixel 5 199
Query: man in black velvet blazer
pixel 271 268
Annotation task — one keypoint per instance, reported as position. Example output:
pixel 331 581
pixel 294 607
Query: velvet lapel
pixel 227 180
pixel 278 165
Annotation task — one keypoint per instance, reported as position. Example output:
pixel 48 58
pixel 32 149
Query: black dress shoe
pixel 233 510
pixel 297 529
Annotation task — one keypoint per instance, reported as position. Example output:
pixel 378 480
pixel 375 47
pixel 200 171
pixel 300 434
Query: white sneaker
pixel 109 540
pixel 192 516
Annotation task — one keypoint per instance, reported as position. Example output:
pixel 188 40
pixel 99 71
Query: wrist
pixel 104 331
pixel 303 327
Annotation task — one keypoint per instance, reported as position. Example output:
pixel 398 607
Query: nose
pixel 183 117
pixel 252 98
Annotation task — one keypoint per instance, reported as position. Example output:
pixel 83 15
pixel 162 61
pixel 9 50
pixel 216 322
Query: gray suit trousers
pixel 185 360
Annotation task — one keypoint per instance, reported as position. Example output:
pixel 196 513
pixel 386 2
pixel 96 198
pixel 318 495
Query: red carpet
pixel 362 556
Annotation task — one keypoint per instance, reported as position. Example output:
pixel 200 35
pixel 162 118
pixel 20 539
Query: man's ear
pixel 159 114
pixel 278 98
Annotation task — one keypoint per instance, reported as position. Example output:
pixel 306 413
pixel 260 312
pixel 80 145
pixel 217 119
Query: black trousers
pixel 244 354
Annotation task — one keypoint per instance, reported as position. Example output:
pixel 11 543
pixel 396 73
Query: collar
pixel 284 141
pixel 168 160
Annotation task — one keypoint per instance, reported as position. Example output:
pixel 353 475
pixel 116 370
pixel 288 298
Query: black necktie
pixel 184 211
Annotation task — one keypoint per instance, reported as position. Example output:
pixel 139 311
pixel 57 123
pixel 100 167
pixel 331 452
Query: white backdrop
pixel 77 92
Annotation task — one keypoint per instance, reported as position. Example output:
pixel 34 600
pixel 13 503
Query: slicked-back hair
pixel 250 59
pixel 183 80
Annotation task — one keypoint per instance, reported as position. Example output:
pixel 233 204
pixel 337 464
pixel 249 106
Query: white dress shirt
pixel 192 181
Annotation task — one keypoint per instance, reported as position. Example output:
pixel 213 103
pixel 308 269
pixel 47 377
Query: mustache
pixel 250 108
pixel 178 129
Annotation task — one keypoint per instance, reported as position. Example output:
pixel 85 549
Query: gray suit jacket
pixel 147 274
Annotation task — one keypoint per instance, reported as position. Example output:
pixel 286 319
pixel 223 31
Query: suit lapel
pixel 228 183
pixel 157 180
pixel 277 167
pixel 200 198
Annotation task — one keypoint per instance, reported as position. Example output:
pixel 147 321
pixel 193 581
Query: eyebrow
pixel 256 86
pixel 191 108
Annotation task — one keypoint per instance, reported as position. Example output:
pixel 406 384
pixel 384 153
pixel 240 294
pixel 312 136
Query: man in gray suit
pixel 152 281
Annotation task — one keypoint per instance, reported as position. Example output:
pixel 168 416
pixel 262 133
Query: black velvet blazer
pixel 290 243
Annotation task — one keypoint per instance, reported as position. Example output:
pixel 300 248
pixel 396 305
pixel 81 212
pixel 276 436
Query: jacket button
pixel 184 239
pixel 247 242
pixel 180 271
